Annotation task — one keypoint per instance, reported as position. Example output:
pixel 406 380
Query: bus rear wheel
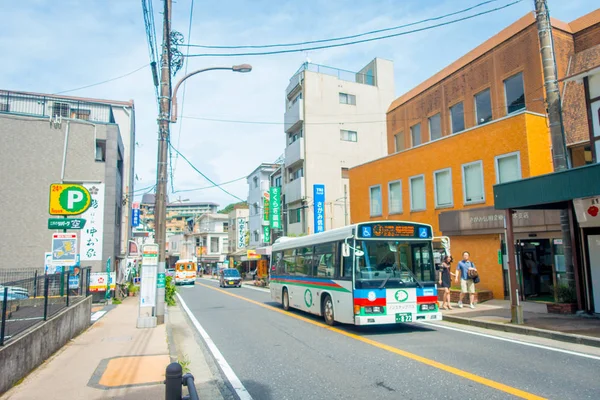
pixel 285 300
pixel 328 310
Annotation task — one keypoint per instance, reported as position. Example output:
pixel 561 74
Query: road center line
pixel 435 364
pixel 539 346
pixel 237 385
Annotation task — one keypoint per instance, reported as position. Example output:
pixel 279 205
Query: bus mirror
pixel 345 250
pixel 359 253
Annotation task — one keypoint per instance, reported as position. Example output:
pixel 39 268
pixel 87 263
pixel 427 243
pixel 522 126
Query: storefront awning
pixel 550 191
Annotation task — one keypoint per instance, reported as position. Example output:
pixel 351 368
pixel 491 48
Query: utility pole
pixel 559 148
pixel 164 117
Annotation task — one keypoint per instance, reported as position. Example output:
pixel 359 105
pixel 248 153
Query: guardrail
pixel 174 382
pixel 28 302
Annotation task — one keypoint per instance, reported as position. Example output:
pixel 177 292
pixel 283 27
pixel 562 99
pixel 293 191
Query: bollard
pixel 173 375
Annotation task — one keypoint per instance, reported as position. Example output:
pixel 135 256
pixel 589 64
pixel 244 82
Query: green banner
pixel 275 206
pixel 267 234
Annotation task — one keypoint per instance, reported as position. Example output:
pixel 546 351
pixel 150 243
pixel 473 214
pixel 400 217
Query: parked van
pixel 185 272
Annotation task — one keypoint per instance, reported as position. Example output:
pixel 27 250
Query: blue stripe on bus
pixel 429 291
pixel 364 293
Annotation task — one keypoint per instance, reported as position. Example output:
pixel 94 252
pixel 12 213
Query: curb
pixel 262 288
pixel 525 330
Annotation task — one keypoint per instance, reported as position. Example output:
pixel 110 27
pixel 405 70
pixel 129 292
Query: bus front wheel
pixel 328 310
pixel 286 300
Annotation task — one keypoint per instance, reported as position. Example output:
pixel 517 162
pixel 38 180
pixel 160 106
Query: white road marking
pixel 237 385
pixel 97 315
pixel 539 346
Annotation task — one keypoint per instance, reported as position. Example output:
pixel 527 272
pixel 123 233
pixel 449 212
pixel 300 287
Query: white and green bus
pixel 364 274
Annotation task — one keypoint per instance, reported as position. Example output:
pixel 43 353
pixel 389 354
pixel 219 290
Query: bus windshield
pixel 393 264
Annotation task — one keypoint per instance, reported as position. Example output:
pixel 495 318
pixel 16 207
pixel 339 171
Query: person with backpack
pixel 466 271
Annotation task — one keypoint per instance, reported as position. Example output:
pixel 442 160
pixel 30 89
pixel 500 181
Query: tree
pixel 231 206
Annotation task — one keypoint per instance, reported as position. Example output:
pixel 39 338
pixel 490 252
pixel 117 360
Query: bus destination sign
pixel 393 230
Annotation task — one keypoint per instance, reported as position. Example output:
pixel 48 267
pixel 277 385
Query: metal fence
pixel 51 106
pixel 27 302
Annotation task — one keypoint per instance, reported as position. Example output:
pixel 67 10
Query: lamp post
pixel 168 113
pixel 236 68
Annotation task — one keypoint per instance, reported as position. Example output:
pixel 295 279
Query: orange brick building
pixel 478 122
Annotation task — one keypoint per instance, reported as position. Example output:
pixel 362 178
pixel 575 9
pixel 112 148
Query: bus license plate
pixel 403 317
pixel 231 282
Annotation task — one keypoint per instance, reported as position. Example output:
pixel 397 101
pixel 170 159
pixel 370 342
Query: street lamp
pixel 236 68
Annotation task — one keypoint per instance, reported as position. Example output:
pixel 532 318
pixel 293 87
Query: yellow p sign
pixel 68 199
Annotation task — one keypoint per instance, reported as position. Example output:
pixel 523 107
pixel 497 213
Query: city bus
pixel 363 274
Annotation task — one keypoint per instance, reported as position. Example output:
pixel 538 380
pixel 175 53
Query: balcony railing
pixel 294 190
pixel 53 106
pixel 294 152
pixel 344 75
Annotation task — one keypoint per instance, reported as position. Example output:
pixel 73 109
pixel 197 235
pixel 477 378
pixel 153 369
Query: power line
pixel 146 188
pixel 356 41
pixel 204 176
pixel 189 37
pixel 342 37
pixel 212 186
pixel 103 82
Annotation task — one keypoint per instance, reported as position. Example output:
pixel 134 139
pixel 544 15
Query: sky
pixel 51 46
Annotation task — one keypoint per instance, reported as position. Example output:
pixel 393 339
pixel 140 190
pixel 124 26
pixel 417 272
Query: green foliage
pixel 185 364
pixel 566 294
pixel 230 207
pixel 116 301
pixel 131 288
pixel 170 291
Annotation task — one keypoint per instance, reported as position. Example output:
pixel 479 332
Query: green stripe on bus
pixel 313 285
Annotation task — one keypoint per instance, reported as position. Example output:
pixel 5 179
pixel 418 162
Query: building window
pixel 473 182
pixel 415 135
pixel 347 99
pixel 435 127
pixel 483 107
pixel 345 173
pixel 508 167
pixel 395 197
pixel 581 155
pixel 417 193
pixel 457 117
pixel 348 136
pixel 255 180
pixel 515 93
pixel 225 226
pixel 442 181
pixel 81 114
pixel 399 141
pixel 100 150
pixel 60 109
pixel 214 244
pixel 256 236
pixel 295 215
pixel 299 173
pixel 278 181
pixel 375 200
pixel 292 137
pixel 255 209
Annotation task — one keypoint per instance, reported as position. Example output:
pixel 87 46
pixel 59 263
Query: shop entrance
pixel 541 263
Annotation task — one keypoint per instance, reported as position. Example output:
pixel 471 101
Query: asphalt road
pixel 279 355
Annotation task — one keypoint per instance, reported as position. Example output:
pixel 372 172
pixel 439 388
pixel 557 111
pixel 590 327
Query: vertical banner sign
pixel 135 217
pixel 319 206
pixel 275 206
pixel 149 275
pixel 241 233
pixel 267 234
pixel 266 210
pixel 107 296
pixel 92 234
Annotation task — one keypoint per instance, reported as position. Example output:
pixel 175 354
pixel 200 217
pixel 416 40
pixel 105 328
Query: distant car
pixel 230 277
pixel 14 293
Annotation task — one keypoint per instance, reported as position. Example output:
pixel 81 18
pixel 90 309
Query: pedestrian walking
pixel 445 281
pixel 466 271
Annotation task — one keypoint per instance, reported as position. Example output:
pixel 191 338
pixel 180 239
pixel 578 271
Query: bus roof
pixel 332 235
pixel 184 261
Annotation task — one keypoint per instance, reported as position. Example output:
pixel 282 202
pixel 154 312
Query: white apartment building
pixel 258 185
pixel 212 242
pixel 334 120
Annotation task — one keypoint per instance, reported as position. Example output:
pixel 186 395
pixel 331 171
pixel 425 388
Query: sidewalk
pixel 113 359
pixel 495 314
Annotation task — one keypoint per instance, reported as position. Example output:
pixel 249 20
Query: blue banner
pixel 135 217
pixel 319 206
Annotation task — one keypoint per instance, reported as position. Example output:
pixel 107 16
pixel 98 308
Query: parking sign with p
pixel 68 199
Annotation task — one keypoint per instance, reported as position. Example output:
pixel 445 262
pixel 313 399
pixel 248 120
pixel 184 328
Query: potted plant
pixel 567 300
pixel 132 289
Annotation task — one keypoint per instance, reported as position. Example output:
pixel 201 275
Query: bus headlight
pixel 373 310
pixel 369 310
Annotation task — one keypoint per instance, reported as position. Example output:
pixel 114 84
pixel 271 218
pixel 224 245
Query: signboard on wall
pixel 587 211
pixel 92 234
pixel 242 228
pixel 275 207
pixel 266 211
pixel 64 249
pixel 319 207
